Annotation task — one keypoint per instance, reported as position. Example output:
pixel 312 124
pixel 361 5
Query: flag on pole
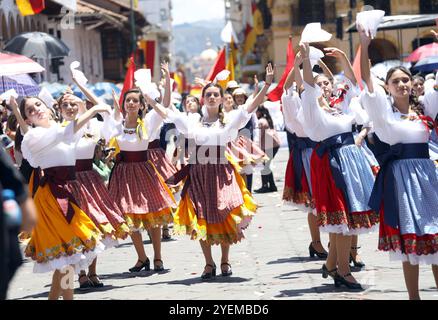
pixel 275 94
pixel 30 7
pixel 129 79
pixel 356 68
pixel 219 65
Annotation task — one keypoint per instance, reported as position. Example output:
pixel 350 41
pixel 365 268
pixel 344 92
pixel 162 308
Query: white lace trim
pixel 80 261
pixel 343 229
pixel 413 258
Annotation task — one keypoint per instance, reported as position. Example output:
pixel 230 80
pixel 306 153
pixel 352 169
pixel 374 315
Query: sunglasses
pixel 215 94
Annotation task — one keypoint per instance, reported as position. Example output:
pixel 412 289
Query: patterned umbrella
pixel 429 64
pixel 23 84
pixel 422 52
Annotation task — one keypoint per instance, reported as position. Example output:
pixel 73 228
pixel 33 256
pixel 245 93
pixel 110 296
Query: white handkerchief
pixel 78 75
pixel 313 33
pixel 143 81
pixel 315 55
pixel 8 94
pixel 223 75
pixel 370 20
pixel 46 97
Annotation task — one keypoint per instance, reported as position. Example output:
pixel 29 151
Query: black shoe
pixel 227 273
pixel 357 264
pixel 209 275
pixel 326 272
pixel 146 265
pixel 85 285
pixel 96 283
pixel 313 252
pixel 273 188
pixel 159 267
pixel 263 189
pixel 340 280
pixel 166 235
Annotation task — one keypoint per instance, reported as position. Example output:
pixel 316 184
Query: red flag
pixel 275 94
pixel 129 79
pixel 356 68
pixel 219 65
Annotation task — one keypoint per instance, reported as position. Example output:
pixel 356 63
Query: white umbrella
pixel 13 64
pixel 380 70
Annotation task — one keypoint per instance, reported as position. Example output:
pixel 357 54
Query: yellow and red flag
pixel 30 7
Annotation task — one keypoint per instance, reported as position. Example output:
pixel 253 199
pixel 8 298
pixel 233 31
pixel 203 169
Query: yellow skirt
pixel 230 231
pixel 55 243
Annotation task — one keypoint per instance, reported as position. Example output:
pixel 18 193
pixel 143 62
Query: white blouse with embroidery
pixel 320 124
pixel 209 134
pixel 51 147
pixel 394 127
pixel 128 139
pixel 95 130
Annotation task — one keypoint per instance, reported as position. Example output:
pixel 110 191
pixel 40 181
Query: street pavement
pixel 271 263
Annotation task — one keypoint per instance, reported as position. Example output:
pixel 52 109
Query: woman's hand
pixel 116 105
pixel 359 140
pixel 335 52
pixel 165 69
pixel 305 51
pixel 269 74
pixel 13 103
pixel 364 36
pixel 298 59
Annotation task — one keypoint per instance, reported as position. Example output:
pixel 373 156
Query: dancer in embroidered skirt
pixel 406 188
pixel 99 206
pixel 297 184
pixel 135 184
pixel 341 177
pixel 64 235
pixel 215 205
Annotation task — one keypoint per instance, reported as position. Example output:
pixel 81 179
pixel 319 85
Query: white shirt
pixel 319 124
pixel 212 134
pixel 95 130
pixel 51 147
pixel 131 141
pixel 292 107
pixel 394 127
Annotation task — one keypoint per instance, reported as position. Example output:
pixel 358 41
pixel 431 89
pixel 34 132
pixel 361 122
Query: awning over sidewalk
pixel 403 22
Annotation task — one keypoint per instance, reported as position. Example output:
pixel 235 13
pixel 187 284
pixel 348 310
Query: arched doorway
pixel 32 25
pixel 381 50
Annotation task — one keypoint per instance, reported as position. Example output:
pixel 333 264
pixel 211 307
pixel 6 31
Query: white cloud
pixel 195 10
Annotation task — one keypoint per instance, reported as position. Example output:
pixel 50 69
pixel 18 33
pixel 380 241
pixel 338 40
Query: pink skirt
pixel 214 191
pixel 138 188
pixel 161 162
pixel 99 206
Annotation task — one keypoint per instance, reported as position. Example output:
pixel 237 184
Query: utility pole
pixel 134 37
pixel 350 21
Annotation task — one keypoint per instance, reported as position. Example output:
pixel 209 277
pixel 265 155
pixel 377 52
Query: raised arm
pixel 364 58
pixel 261 95
pixel 89 114
pixel 23 125
pixel 87 92
pixel 345 63
pixel 294 74
pixel 160 109
pixel 167 85
pixel 307 68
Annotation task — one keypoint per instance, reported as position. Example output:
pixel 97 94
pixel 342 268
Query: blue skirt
pixel 358 177
pixel 416 190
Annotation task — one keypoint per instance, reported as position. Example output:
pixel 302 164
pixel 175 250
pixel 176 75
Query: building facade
pixel 290 16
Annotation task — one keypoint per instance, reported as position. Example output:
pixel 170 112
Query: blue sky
pixel 195 10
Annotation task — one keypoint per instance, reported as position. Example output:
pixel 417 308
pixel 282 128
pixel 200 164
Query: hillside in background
pixel 191 38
